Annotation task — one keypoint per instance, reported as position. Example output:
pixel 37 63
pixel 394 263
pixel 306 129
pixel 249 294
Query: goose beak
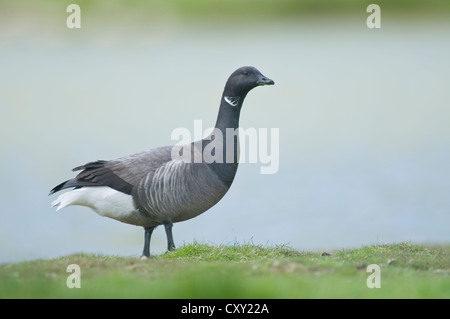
pixel 264 81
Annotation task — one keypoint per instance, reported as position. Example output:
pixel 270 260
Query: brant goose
pixel 160 186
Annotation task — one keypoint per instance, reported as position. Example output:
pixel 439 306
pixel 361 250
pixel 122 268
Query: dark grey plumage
pixel 162 189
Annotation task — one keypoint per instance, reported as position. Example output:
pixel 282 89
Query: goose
pixel 160 186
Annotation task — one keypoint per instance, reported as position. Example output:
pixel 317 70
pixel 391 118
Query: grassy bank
pixel 228 11
pixel 241 271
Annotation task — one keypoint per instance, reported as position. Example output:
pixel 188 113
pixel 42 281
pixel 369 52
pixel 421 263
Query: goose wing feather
pixel 121 174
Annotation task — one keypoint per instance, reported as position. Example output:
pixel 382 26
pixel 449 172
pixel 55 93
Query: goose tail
pixel 64 200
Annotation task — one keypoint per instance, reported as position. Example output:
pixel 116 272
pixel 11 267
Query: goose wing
pixel 121 174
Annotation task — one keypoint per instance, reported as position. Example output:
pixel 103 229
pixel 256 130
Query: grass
pixel 240 271
pixel 225 12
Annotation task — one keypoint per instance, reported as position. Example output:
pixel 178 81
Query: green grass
pixel 255 12
pixel 240 271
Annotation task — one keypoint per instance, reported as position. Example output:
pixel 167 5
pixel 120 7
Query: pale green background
pixel 364 118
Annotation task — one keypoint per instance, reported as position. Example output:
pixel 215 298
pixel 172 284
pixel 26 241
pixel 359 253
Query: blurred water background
pixel 363 114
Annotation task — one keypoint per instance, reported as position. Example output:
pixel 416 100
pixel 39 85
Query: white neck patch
pixel 232 100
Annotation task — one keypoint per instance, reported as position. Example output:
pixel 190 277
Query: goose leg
pixel 170 243
pixel 147 236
